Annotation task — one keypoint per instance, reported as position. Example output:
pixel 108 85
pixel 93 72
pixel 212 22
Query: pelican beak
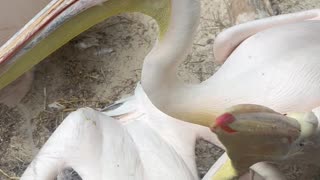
pixel 253 133
pixel 58 23
pixel 255 120
pixel 14 60
pixel 25 35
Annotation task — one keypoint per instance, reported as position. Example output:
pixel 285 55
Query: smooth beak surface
pixel 29 36
pixel 256 120
pixel 59 22
pixel 50 12
pixel 253 133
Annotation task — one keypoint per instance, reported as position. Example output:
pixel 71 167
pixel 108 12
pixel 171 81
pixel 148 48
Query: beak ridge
pixel 51 11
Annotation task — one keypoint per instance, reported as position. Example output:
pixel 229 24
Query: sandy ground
pixel 101 66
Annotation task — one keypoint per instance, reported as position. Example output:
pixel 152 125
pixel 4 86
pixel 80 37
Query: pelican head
pixel 253 133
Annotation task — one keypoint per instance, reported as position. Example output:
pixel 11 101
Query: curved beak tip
pixel 223 122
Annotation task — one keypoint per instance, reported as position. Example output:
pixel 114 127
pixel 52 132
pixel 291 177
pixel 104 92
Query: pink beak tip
pixel 223 122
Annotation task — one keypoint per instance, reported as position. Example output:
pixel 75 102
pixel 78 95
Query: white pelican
pixel 281 52
pixel 151 144
pixel 265 77
pixel 140 143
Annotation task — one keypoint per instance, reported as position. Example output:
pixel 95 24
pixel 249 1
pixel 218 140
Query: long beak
pixel 253 133
pixel 58 23
pixel 256 119
pixel 54 9
pixel 12 52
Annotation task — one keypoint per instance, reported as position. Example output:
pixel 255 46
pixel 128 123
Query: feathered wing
pixel 157 149
pixel 229 39
pixel 279 73
pixel 172 141
pixel 137 144
pixel 93 144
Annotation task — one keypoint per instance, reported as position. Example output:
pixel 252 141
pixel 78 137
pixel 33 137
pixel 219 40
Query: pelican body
pixel 133 141
pixel 271 62
pixel 280 78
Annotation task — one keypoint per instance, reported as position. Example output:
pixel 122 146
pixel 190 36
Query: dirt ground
pixel 102 65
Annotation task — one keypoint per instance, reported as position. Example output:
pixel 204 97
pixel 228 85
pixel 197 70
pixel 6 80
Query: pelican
pixel 152 145
pixel 133 141
pixel 286 43
pixel 272 64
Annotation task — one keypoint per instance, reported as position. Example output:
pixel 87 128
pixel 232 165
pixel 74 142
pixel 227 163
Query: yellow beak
pixel 62 20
